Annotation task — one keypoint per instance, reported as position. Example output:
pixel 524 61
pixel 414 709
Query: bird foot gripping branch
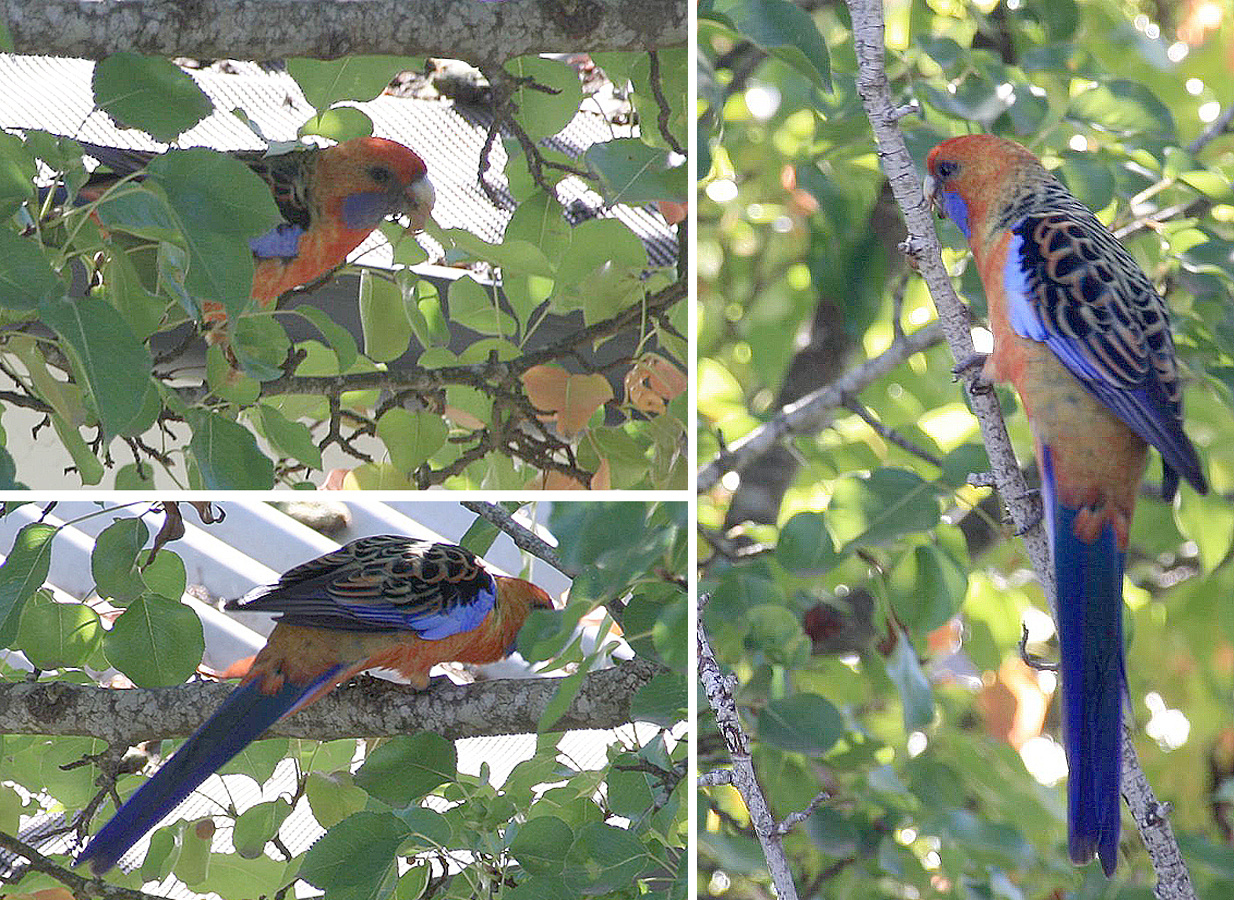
pixel 386 601
pixel 1085 339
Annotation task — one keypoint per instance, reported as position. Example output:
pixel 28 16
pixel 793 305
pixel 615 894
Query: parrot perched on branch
pixel 386 601
pixel 331 198
pixel 1084 337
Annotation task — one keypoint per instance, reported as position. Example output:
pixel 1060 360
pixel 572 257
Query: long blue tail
pixel 244 715
pixel 1090 637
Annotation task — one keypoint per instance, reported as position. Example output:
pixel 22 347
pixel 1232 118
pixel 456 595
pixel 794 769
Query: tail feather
pixel 1090 636
pixel 244 715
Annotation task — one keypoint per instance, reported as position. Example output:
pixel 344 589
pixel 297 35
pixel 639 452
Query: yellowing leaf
pixel 567 399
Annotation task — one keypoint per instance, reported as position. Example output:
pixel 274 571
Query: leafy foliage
pixel 551 828
pixel 872 609
pixel 152 252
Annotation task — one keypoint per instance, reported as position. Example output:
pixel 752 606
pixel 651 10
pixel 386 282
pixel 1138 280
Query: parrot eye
pixel 380 174
pixel 947 168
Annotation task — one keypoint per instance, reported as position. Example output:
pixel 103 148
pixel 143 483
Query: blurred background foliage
pixel 869 602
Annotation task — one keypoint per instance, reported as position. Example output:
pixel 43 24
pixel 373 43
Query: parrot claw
pixel 969 362
pixel 1033 662
pixel 1035 495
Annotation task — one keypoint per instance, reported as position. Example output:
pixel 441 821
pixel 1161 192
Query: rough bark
pixel 477 31
pixel 368 707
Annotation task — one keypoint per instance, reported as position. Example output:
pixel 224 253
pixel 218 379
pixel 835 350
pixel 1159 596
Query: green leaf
pixel 333 797
pixel 544 113
pixel 150 93
pixel 567 690
pixel 355 860
pixel 805 544
pixel 261 346
pixel 165 576
pixel 1124 107
pixel 1088 177
pixel 89 469
pixel 113 363
pixel 55 635
pixel 888 504
pixel 905 672
pixel 257 760
pixel 141 210
pixel 26 277
pixel 542 887
pixel 540 222
pixel 477 307
pixel 383 319
pixel 22 573
pixel 155 642
pixel 17 168
pixel 1209 521
pixel 411 437
pixel 163 854
pixel 289 438
pixel 514 254
pixel 338 337
pixel 406 768
pixel 784 30
pixel 325 82
pixel 926 588
pixel 802 723
pixel 113 561
pixel 541 845
pixel 661 700
pixel 227 455
pixel 220 203
pixel 342 123
pixel 422 304
pixel 257 825
pixel 604 858
pixel 633 173
pixel 427 829
pixel 595 243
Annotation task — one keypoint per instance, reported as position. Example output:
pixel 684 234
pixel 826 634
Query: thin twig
pixel 523 537
pixel 80 886
pixel 889 434
pixel 792 820
pixel 812 412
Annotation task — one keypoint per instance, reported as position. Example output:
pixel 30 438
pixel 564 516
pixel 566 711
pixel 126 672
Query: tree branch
pixel 1173 880
pixel 328 29
pixel 79 885
pixel 812 412
pixel 718 688
pixel 523 537
pixel 367 707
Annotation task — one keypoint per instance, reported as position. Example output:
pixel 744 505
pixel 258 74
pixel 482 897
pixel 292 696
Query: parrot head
pixel 964 174
pixel 372 178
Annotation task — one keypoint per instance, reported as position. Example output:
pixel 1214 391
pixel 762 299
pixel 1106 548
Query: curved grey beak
pixel 418 201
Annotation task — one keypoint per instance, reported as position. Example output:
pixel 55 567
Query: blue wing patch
pixel 283 242
pixel 383 583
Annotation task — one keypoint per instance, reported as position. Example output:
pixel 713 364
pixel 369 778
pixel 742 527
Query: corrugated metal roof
pixel 54 94
pixel 251 546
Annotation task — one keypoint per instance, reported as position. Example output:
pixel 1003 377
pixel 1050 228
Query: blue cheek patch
pixel 281 243
pixel 957 212
pixel 364 211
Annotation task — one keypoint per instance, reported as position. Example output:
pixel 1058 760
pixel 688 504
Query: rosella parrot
pixel 1084 337
pixel 386 601
pixel 331 198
